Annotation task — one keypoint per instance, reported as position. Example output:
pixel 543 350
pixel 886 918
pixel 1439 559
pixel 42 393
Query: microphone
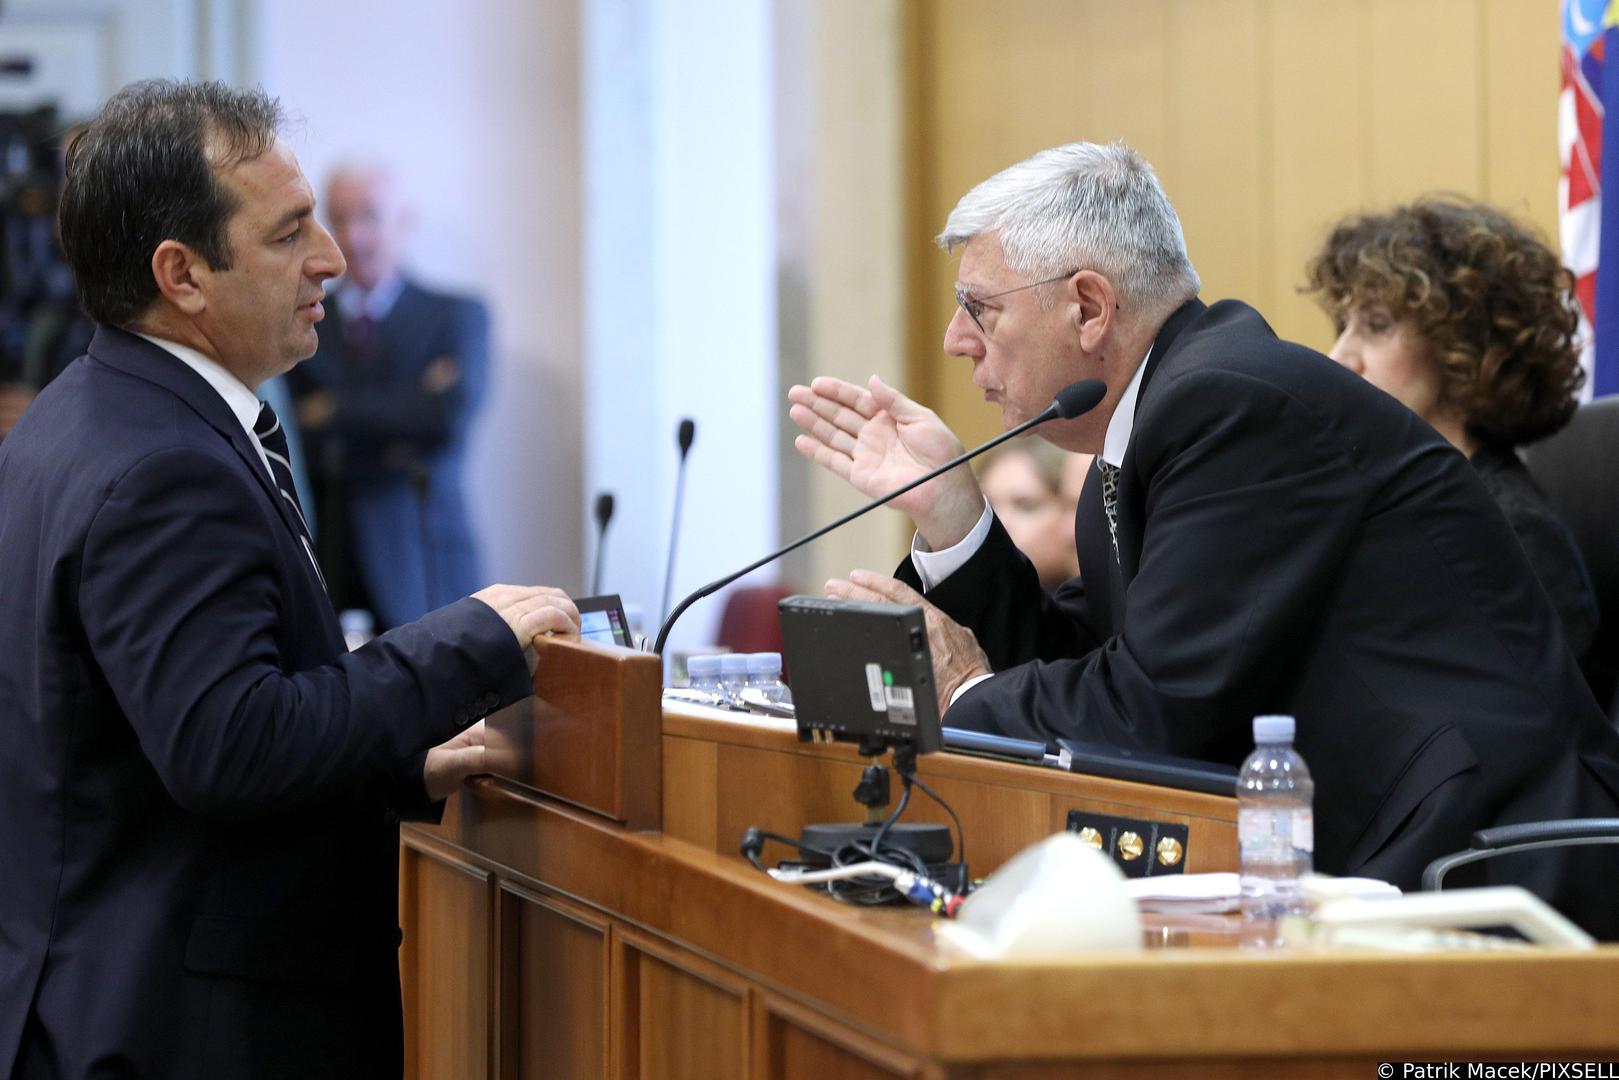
pixel 687 433
pixel 604 514
pixel 1073 400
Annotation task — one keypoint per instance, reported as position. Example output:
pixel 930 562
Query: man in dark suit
pixel 199 787
pixel 1266 533
pixel 387 404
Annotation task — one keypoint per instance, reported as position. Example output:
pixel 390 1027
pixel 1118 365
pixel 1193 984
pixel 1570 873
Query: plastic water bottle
pixel 764 675
pixel 358 627
pixel 1275 831
pixel 733 675
pixel 703 673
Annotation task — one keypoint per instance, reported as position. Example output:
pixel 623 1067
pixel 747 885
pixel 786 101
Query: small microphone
pixel 685 437
pixel 604 514
pixel 1073 400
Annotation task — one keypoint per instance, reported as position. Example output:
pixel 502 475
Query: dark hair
pixel 1488 298
pixel 145 170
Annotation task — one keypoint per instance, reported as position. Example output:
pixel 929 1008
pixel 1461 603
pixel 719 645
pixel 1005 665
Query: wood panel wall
pixel 1266 120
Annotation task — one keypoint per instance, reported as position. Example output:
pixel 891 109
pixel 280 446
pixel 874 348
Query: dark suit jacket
pixel 1293 540
pixel 198 786
pixel 1547 543
pixel 397 450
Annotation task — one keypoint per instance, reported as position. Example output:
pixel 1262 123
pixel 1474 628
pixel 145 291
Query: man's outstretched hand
pixel 878 439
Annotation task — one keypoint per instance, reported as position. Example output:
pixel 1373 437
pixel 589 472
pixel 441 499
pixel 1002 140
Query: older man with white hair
pixel 1266 533
pixel 386 404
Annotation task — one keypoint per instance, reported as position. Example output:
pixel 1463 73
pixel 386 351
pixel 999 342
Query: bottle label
pixel 1304 830
pixel 1266 834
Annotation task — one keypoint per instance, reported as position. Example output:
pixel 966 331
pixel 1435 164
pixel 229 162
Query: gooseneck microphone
pixel 604 514
pixel 688 433
pixel 1072 400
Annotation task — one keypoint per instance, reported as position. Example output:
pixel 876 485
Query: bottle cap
pixel 703 667
pixel 733 664
pixel 764 663
pixel 1273 729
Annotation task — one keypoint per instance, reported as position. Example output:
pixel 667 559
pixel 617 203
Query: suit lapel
pixel 140 358
pixel 1131 495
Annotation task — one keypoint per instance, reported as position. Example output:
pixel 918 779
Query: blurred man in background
pixel 385 406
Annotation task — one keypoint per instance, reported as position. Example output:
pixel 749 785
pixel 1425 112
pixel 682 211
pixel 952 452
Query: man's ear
pixel 1093 308
pixel 179 273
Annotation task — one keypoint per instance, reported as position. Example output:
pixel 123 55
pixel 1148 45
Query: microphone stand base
pixel 932 843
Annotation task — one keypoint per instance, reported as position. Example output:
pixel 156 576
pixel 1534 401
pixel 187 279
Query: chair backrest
pixel 1579 470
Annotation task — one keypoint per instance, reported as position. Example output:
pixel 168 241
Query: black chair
pixel 1579 470
pixel 1506 839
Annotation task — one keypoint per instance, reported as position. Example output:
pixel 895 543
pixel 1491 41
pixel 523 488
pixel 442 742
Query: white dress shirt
pixel 242 402
pixel 375 304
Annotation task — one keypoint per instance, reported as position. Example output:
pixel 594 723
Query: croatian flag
pixel 1588 225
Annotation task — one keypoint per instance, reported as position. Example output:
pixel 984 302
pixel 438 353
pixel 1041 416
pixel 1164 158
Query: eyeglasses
pixel 974 305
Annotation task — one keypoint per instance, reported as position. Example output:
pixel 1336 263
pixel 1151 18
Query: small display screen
pixel 601 620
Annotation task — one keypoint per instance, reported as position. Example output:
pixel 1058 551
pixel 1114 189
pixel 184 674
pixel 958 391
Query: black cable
pixel 961 834
pixel 870 890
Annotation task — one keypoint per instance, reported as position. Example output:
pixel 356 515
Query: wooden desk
pixel 544 940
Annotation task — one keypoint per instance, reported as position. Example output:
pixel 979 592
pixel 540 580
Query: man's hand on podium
pixel 532 610
pixel 450 765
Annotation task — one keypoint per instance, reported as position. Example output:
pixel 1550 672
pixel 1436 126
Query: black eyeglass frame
pixel 974 305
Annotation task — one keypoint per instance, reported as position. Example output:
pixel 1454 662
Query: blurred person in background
pixel 385 407
pixel 41 327
pixel 1469 320
pixel 1027 483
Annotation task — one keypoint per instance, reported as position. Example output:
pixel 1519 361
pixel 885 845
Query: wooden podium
pixel 583 913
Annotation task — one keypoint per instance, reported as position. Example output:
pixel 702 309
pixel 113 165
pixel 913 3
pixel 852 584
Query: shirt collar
pixel 1122 424
pixel 373 304
pixel 243 403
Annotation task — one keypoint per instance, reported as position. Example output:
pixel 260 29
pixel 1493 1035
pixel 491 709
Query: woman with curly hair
pixel 1469 320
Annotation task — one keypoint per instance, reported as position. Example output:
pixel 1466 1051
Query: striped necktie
pixel 1110 500
pixel 267 429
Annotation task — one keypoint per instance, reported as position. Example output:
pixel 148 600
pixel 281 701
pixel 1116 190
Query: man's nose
pixel 962 337
pixel 328 261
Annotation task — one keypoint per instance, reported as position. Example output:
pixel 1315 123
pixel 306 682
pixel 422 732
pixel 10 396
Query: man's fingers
pixel 847 394
pixel 837 464
pixel 843 589
pixel 886 588
pixel 823 430
pixel 834 417
pixel 548 619
pixel 532 610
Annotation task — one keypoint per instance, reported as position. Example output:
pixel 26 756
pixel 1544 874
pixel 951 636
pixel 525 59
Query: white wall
pixel 680 298
pixel 476 104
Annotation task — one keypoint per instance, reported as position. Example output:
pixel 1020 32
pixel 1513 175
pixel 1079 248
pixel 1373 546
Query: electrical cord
pixel 871 872
pixel 961 835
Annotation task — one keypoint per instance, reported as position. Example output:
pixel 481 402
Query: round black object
pixel 932 843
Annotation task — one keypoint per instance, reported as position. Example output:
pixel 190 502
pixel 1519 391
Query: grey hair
pixel 1083 206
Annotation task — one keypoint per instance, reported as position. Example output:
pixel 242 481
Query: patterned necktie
pixel 267 429
pixel 1110 501
pixel 360 334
